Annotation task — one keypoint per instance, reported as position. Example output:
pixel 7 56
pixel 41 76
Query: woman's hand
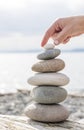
pixel 63 29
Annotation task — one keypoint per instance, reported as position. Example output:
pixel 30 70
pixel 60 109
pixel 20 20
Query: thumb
pixel 62 35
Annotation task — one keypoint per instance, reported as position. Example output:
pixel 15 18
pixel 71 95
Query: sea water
pixel 15 69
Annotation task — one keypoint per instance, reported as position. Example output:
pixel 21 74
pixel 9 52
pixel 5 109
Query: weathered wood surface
pixel 23 123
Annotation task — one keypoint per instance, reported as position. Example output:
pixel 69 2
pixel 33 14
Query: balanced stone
pixel 49 54
pixel 46 113
pixel 52 65
pixel 48 94
pixel 57 79
pixel 49 46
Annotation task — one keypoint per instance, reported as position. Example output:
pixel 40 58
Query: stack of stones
pixel 48 93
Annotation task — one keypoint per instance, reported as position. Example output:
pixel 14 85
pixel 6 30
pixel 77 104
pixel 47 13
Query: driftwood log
pixel 23 123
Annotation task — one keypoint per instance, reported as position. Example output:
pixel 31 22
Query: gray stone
pixel 57 79
pixel 52 65
pixel 49 54
pixel 48 94
pixel 46 113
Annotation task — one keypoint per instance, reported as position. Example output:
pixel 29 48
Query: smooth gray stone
pixel 48 94
pixel 46 113
pixel 57 79
pixel 49 54
pixel 52 65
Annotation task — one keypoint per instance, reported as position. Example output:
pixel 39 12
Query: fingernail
pixel 56 42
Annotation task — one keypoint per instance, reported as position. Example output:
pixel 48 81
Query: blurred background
pixel 22 26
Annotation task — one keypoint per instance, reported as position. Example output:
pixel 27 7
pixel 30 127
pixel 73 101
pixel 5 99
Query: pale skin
pixel 63 29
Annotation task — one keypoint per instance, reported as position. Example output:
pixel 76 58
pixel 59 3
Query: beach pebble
pixel 53 65
pixel 57 79
pixel 49 54
pixel 46 113
pixel 48 94
pixel 49 46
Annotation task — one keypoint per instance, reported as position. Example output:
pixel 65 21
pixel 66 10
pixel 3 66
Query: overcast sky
pixel 20 19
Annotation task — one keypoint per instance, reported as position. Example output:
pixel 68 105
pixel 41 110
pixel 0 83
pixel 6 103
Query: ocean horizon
pixel 73 50
pixel 15 69
pixel 17 59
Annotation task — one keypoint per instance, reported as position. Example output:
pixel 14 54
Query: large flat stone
pixel 57 79
pixel 48 94
pixel 53 65
pixel 47 113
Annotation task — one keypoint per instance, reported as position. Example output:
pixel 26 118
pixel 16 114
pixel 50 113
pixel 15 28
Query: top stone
pixel 49 46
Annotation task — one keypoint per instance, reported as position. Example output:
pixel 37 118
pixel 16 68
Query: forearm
pixel 63 29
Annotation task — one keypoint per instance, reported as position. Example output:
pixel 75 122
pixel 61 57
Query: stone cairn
pixel 48 93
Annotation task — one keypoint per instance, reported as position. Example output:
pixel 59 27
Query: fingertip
pixel 43 43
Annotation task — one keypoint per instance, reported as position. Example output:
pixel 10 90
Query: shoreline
pixel 14 104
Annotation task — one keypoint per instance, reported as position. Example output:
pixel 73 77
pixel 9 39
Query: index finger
pixel 48 34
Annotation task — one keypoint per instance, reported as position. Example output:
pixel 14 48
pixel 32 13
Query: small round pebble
pixel 49 46
pixel 52 65
pixel 48 94
pixel 57 79
pixel 46 113
pixel 49 54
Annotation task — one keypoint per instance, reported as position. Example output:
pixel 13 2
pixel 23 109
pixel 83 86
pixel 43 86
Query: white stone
pixel 57 79
pixel 49 46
